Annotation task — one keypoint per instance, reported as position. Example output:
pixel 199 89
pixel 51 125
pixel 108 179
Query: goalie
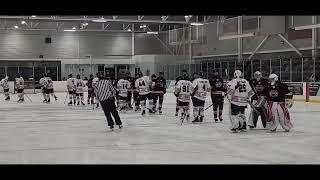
pixel 279 100
pixel 239 92
pixel 258 84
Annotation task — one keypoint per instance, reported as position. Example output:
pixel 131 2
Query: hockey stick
pixel 209 106
pixel 252 107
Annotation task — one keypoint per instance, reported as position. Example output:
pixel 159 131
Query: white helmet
pixel 6 78
pixel 257 75
pixel 273 78
pixel 237 74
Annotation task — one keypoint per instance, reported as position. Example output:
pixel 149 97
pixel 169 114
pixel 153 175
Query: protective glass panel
pixel 285 70
pixel 296 70
pixel 265 68
pixel 308 67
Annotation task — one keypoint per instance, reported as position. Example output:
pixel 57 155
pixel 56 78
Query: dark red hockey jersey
pixel 258 86
pixel 277 92
pixel 160 84
pixel 217 86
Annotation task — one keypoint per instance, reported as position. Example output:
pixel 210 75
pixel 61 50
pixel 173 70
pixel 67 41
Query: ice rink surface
pixel 54 133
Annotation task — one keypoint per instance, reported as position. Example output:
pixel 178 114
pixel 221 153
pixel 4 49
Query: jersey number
pixel 185 88
pixel 142 83
pixel 124 86
pixel 242 88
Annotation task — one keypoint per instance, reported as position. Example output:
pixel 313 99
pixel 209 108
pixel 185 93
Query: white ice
pixel 55 133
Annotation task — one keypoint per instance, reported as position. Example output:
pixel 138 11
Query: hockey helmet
pixel 257 75
pixel 70 76
pixel 91 76
pixel 273 78
pixel 78 76
pixel 201 74
pixel 237 74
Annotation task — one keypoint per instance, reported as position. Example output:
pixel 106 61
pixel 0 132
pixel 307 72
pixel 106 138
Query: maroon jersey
pixel 277 92
pixel 217 86
pixel 258 86
pixel 160 84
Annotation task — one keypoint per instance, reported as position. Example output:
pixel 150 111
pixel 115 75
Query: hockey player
pixel 217 95
pixel 183 92
pixel 48 86
pixel 79 90
pixel 143 87
pixel 159 90
pixel 71 86
pixel 94 83
pixel 5 84
pixel 129 78
pixel 279 99
pixel 123 87
pixel 19 87
pixel 90 90
pixel 258 84
pixel 153 94
pixel 135 93
pixel 200 87
pixel 41 83
pixel 239 92
pixel 184 76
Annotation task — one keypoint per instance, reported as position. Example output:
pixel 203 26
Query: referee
pixel 105 93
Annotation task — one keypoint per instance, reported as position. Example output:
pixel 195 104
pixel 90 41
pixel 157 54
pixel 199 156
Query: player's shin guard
pixel 196 112
pixel 215 115
pixel 143 105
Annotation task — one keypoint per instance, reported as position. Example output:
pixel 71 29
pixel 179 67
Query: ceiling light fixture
pixel 33 16
pixel 152 32
pixel 70 30
pixel 196 24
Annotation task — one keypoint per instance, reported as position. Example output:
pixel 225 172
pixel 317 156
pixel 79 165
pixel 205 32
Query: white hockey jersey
pixel 41 82
pixel 4 83
pixel 48 83
pixel 143 85
pixel 79 85
pixel 19 83
pixel 183 88
pixel 122 87
pixel 201 87
pixel 239 90
pixel 71 85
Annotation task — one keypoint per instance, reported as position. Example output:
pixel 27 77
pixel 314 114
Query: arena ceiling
pixel 135 23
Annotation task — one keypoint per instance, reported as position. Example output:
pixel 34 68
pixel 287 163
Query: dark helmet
pixel 70 76
pixel 140 74
pixel 153 76
pixel 201 74
pixel 78 76
pixel 91 76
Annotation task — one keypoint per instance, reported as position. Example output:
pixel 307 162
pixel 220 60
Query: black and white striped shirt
pixel 104 89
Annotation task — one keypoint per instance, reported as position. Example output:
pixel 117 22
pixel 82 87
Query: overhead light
pixel 70 30
pixel 152 32
pixel 99 20
pixel 33 16
pixel 74 28
pixel 196 24
pixel 23 22
pixel 129 30
pixel 143 26
pixel 236 36
pixel 307 27
pixel 16 27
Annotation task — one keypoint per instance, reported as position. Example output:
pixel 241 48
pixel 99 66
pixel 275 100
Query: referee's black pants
pixel 109 108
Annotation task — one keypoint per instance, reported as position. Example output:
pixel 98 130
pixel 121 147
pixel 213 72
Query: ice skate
pixel 271 131
pixel 7 98
pixel 97 105
pixel 44 101
pixel 220 118
pixel 201 118
pixel 160 112
pixel 143 112
pixel 111 128
pixel 120 126
pixel 55 98
pixel 48 101
pixel 70 103
pixel 176 114
pixel 82 103
pixel 78 103
pixel 286 130
pixel 195 120
pixel 216 120
pixel 234 130
pixel 188 118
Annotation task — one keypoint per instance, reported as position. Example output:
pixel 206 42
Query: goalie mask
pixel 273 78
pixel 237 74
pixel 257 75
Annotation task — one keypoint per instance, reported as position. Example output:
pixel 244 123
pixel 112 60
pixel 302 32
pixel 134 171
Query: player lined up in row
pixel 269 99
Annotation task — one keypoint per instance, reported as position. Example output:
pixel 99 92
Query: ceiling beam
pixel 90 19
